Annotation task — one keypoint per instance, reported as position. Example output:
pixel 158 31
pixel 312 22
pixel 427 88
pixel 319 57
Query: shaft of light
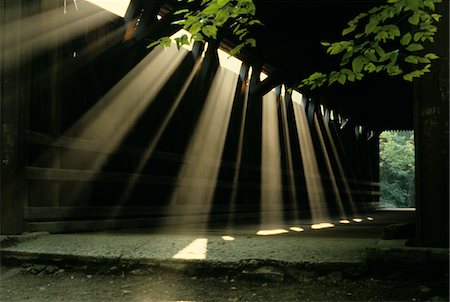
pixel 271 182
pixel 316 196
pixel 197 179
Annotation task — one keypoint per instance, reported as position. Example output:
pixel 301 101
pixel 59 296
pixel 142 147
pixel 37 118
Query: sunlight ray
pixel 289 162
pixel 329 168
pixel 271 182
pixel 156 138
pixel 340 169
pixel 107 123
pixel 240 145
pixel 197 180
pixel 316 195
pixel 46 30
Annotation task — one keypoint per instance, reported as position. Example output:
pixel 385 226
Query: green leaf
pixel 431 56
pixel 414 47
pixel 408 77
pixel 418 36
pixel 348 30
pixel 405 39
pixel 181 11
pixel 414 19
pixel 342 78
pixel 429 4
pixel 394 70
pixel 370 67
pixel 370 55
pixel 436 17
pixel 371 27
pixel 358 64
pixel 325 44
pixel 380 52
pixel 210 31
pixel 412 59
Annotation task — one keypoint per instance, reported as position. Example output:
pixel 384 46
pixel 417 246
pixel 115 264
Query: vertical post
pixel 12 181
pixel 431 111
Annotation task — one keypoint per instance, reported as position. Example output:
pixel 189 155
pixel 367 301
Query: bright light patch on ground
pixel 296 229
pixel 297 97
pixel 158 17
pixel 357 220
pixel 180 33
pixel 344 221
pixel 228 62
pixel 370 218
pixel 323 225
pixel 117 7
pixel 228 238
pixel 195 250
pixel 271 232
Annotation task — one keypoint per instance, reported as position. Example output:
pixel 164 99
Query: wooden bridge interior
pixel 98 131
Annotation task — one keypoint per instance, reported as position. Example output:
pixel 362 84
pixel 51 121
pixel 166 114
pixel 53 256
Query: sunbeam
pixel 197 180
pixel 340 169
pixel 316 196
pixel 46 30
pixel 156 138
pixel 271 182
pixel 106 124
pixel 240 146
pixel 329 168
pixel 289 162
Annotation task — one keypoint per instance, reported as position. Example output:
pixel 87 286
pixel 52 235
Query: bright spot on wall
pixel 117 7
pixel 229 62
pixel 323 225
pixel 296 229
pixel 263 76
pixel 344 221
pixel 195 250
pixel 228 238
pixel 271 232
pixel 180 33
pixel 357 220
pixel 296 97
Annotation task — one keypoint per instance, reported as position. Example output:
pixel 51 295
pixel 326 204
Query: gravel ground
pixel 41 283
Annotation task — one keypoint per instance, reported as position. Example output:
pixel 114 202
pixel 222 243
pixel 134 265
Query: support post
pixel 12 95
pixel 431 113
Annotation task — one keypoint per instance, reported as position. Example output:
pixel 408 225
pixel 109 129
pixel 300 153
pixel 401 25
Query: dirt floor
pixel 50 283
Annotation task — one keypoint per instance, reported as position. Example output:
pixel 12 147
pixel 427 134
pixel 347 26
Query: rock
pixel 264 273
pixel 335 277
pixel 37 268
pixel 137 272
pixel 51 269
pixel 252 262
pixel 305 276
pixel 323 279
pixel 425 289
pixel 60 271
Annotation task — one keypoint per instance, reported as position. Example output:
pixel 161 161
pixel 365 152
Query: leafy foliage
pixel 209 16
pixel 397 168
pixel 376 43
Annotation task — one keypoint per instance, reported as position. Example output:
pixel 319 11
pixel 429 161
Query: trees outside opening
pixel 397 169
